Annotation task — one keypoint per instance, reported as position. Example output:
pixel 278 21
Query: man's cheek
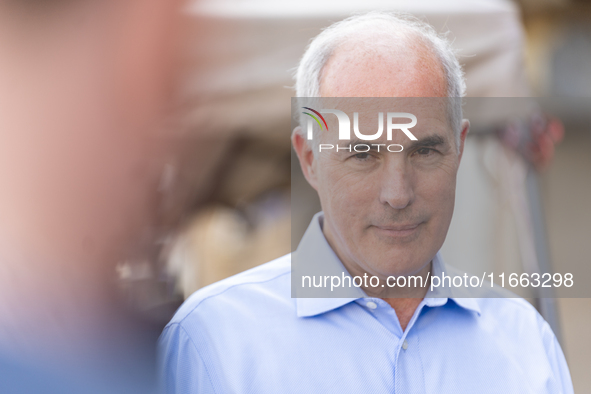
pixel 343 184
pixel 436 186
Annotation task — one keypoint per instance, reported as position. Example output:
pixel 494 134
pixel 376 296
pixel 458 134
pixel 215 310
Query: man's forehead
pixel 367 110
pixel 367 115
pixel 383 65
pixel 368 107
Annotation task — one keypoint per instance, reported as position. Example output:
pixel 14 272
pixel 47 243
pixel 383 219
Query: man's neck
pixel 404 308
pixel 404 301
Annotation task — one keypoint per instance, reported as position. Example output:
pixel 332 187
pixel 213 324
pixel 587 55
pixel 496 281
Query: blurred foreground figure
pixel 85 173
pixel 385 215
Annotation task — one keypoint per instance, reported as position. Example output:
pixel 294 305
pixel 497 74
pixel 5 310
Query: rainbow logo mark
pixel 315 118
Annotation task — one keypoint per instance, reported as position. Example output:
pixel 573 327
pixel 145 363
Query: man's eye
pixel 362 156
pixel 424 151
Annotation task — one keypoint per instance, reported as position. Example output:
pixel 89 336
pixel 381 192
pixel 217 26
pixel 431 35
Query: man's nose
pixel 396 185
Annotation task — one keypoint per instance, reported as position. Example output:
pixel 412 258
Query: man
pixel 385 214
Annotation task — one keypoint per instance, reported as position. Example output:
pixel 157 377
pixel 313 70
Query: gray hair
pixel 309 71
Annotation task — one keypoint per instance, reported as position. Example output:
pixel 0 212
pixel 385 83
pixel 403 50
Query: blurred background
pixel 195 180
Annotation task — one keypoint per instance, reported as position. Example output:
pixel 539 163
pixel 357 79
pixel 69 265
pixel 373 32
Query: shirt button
pixel 405 345
pixel 371 305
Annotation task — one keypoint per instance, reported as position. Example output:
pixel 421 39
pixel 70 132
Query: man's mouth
pixel 398 230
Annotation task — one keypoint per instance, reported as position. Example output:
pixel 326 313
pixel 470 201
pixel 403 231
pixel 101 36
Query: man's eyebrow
pixel 429 141
pixel 358 141
pixel 371 144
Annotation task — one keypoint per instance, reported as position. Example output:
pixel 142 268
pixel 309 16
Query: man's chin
pixel 396 264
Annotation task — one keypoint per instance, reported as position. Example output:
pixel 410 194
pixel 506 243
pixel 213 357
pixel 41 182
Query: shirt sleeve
pixel 181 368
pixel 556 359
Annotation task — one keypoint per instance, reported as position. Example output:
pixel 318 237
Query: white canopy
pixel 244 62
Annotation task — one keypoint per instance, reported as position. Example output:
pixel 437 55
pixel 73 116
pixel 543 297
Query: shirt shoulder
pixel 514 317
pixel 511 311
pixel 516 321
pixel 195 345
pixel 502 308
pixel 269 279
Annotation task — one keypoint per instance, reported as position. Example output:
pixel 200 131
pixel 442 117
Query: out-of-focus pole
pixel 546 296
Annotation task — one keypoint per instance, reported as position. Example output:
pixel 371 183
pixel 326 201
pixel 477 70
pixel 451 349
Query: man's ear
pixel 305 156
pixel 465 129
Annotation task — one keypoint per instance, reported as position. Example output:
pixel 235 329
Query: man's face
pixel 387 213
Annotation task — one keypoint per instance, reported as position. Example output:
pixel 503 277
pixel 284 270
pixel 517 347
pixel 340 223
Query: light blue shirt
pixel 246 334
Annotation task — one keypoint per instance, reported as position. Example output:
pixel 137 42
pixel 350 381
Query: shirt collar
pixel 460 295
pixel 314 249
